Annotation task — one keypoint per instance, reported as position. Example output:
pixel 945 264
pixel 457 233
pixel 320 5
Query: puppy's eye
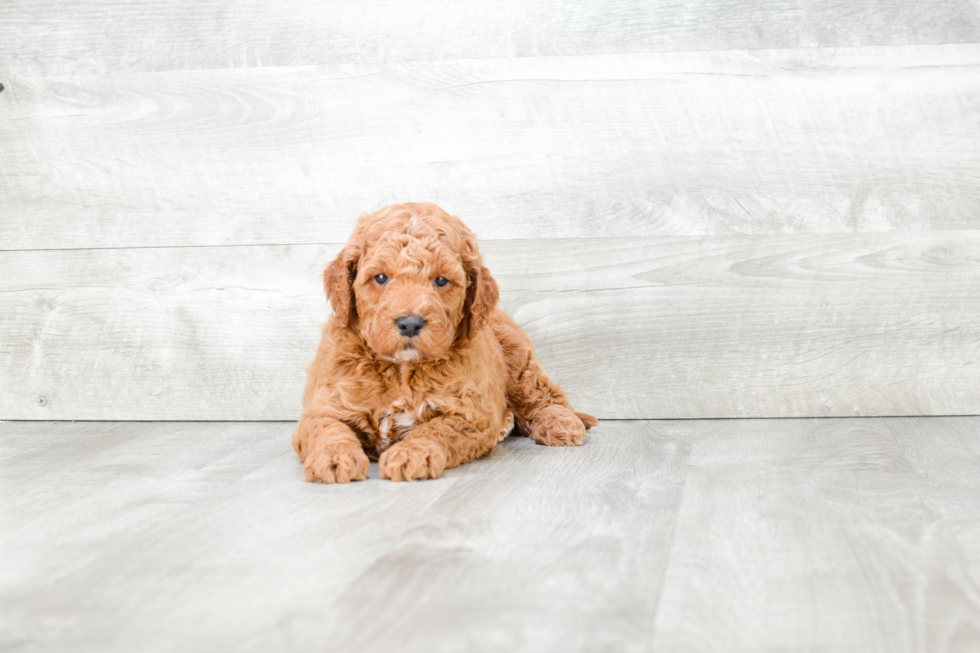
pixel 381 279
pixel 440 281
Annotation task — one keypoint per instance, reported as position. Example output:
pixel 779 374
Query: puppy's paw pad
pixel 412 460
pixel 336 463
pixel 557 426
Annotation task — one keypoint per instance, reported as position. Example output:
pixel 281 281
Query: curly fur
pixel 422 404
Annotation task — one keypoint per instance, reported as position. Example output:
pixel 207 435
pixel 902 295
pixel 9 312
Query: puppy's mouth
pixel 408 354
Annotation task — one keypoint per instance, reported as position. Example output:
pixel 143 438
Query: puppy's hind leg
pixel 543 413
pixel 541 408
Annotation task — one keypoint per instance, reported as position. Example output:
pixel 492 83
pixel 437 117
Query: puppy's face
pixel 410 289
pixel 411 282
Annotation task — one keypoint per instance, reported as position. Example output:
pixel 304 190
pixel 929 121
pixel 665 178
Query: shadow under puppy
pixel 417 368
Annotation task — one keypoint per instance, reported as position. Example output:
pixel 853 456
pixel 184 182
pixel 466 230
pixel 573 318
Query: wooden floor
pixel 715 535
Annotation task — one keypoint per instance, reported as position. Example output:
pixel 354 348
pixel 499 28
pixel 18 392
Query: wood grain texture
pixel 820 535
pixel 738 142
pixel 66 38
pixel 186 333
pixel 945 460
pixel 723 535
pixel 828 325
pixel 204 537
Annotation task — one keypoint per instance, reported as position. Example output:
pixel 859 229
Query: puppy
pixel 416 367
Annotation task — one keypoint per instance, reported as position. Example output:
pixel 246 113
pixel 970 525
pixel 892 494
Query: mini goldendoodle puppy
pixel 417 368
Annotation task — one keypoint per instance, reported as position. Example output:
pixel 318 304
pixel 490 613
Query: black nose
pixel 409 325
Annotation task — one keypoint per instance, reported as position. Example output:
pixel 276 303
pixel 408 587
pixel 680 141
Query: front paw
pixel 557 426
pixel 412 460
pixel 336 462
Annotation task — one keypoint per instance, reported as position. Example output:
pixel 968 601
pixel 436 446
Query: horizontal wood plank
pixel 762 142
pixel 68 37
pixel 729 326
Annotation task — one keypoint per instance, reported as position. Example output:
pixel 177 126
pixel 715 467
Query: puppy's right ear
pixel 338 281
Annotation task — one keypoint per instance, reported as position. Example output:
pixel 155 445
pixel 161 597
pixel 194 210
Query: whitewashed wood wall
pixel 705 209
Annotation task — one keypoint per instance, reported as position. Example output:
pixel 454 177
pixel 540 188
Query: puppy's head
pixel 411 282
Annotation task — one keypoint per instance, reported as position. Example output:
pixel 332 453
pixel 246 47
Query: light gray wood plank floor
pixel 728 535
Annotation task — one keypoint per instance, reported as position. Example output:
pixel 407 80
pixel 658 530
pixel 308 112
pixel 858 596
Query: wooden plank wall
pixel 708 209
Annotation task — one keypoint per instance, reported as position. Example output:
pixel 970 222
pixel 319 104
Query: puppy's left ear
pixel 482 294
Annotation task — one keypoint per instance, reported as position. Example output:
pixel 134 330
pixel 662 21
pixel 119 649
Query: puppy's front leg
pixel 436 445
pixel 330 451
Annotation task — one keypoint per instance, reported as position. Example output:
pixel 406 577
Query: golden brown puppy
pixel 417 368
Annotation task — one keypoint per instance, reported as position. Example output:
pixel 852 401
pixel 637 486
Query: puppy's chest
pixel 392 420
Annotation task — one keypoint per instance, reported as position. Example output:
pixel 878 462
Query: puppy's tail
pixel 588 420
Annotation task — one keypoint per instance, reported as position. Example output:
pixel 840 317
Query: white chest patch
pixel 384 429
pixel 405 421
pixel 398 420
